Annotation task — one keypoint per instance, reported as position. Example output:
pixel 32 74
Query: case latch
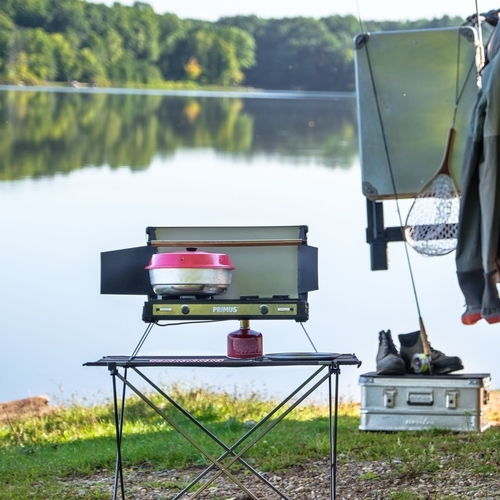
pixel 451 399
pixel 390 398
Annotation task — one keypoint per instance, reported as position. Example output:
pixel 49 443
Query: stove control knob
pixel 185 309
pixel 264 309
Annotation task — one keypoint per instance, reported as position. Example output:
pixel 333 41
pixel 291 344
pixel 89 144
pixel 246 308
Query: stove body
pixel 275 269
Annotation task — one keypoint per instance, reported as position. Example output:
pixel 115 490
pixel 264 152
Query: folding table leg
pixel 266 430
pixel 333 369
pixel 229 450
pixel 119 433
pixel 222 468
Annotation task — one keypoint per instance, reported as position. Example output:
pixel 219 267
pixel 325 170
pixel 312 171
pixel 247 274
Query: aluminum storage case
pixel 457 402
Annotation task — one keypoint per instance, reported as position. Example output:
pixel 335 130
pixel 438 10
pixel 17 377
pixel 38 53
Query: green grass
pixel 38 454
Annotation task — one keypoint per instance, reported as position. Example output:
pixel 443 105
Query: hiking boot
pixel 411 344
pixel 389 362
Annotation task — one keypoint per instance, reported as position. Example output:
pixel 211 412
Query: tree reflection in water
pixel 43 133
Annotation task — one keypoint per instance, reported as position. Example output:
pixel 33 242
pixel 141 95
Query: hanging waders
pixel 479 222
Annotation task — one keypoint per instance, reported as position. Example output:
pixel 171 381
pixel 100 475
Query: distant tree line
pixel 71 40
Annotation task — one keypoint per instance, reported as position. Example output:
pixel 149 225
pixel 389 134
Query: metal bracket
pixel 377 236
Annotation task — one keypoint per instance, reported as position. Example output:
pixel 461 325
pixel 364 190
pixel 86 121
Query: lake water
pixel 87 172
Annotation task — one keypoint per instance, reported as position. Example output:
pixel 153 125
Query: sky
pixel 365 9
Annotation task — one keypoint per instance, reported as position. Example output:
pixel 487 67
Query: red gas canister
pixel 244 343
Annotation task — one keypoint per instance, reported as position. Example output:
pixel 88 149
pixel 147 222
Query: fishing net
pixel 432 223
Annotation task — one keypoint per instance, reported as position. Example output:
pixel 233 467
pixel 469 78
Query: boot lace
pixel 391 348
pixel 435 352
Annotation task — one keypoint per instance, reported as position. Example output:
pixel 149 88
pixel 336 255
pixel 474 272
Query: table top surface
pixel 278 359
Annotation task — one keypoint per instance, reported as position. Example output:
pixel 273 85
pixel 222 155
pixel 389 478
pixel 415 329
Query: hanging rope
pixel 480 38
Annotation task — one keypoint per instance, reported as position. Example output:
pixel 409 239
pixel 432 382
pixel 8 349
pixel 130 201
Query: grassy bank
pixel 41 457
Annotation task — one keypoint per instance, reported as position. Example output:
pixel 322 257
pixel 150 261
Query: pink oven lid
pixel 190 259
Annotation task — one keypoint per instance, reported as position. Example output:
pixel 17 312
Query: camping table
pixel 326 368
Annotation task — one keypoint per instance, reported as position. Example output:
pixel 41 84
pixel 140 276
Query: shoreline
pixel 247 93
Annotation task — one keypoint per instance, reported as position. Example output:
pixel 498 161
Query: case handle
pixel 420 398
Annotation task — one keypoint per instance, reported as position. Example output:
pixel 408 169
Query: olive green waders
pixel 479 222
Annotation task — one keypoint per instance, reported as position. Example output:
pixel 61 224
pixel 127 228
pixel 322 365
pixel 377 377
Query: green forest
pixel 65 41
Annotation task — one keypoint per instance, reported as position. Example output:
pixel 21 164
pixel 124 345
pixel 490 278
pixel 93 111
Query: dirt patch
pixel 28 407
pixel 374 480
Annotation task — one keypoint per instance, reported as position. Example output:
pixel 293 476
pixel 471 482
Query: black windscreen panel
pixel 123 271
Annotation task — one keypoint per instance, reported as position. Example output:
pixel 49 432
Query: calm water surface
pixel 85 173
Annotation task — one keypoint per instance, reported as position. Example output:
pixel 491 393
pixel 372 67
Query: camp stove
pixel 273 269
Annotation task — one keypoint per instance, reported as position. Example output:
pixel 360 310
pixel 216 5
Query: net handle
pixel 423 338
pixel 445 162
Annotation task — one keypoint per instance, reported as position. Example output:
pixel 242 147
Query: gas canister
pixel 244 343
